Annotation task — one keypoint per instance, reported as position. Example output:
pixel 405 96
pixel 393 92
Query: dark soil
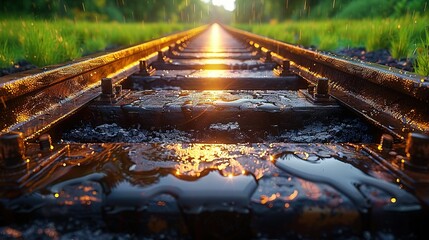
pixel 20 66
pixel 382 57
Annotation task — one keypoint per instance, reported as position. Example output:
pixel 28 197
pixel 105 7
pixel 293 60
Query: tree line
pixel 192 11
pixel 254 11
pixel 187 11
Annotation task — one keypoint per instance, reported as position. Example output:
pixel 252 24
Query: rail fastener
pixel 45 143
pixel 145 70
pixel 417 149
pixel 386 143
pixel 12 150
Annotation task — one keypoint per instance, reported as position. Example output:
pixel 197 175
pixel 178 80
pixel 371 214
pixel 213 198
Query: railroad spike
pixel 107 87
pixel 12 150
pixel 322 88
pixel 178 46
pixel 417 150
pixel 45 143
pixel 162 58
pixel 386 143
pixel 267 58
pixel 145 70
pixel 143 66
pixel 171 52
pixel 283 69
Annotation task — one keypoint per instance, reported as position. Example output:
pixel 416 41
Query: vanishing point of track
pixel 252 167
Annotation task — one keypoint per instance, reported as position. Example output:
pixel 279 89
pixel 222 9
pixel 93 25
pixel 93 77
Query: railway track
pixel 215 133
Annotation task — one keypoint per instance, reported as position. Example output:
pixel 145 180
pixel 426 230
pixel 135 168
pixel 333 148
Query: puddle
pixel 159 188
pixel 346 178
pixel 213 192
pixel 192 160
pixel 303 202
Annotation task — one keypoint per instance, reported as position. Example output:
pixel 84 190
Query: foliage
pixel 189 11
pixel 43 43
pixel 193 11
pixel 257 11
pixel 403 7
pixel 366 9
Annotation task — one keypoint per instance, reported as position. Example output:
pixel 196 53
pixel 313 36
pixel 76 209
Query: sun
pixel 229 5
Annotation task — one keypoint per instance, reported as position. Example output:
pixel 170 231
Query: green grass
pixel 422 59
pixel 401 36
pixel 44 43
pixel 5 53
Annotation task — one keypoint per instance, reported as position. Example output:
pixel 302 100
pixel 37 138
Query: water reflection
pixel 190 160
pixel 353 182
pixel 215 38
pixel 211 73
pixel 215 177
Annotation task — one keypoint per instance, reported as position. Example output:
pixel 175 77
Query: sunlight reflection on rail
pixel 215 40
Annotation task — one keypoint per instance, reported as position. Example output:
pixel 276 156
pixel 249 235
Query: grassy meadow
pixel 406 37
pixel 50 42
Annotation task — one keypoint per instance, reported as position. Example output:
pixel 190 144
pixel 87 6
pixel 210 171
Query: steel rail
pixel 393 99
pixel 202 155
pixel 31 101
pixel 12 87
